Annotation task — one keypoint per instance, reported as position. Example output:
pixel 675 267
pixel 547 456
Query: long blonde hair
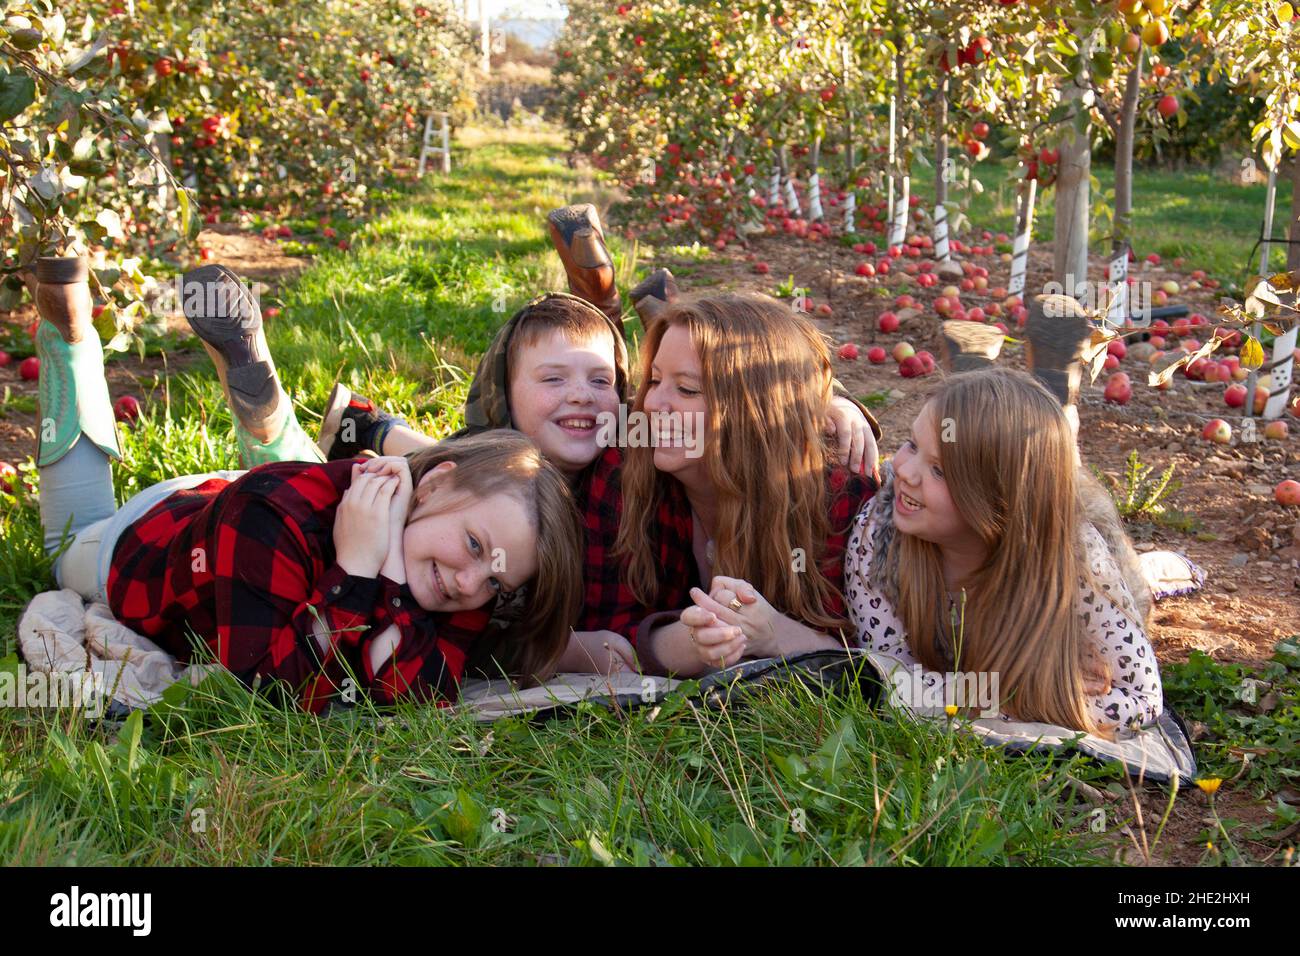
pixel 766 379
pixel 1011 471
pixel 504 461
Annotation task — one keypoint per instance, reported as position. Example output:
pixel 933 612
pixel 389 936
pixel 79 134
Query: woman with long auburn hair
pixel 989 550
pixel 734 511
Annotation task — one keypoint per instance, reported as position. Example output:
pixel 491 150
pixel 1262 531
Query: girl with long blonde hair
pixel 732 521
pixel 990 551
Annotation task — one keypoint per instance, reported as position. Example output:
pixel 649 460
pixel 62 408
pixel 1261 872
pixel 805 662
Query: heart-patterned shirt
pixel 1135 697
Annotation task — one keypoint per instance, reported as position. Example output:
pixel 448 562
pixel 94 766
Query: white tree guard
pixel 791 197
pixel 1020 245
pixel 1282 374
pixel 850 211
pixel 941 251
pixel 815 211
pixel 774 186
pixel 898 223
pixel 1117 274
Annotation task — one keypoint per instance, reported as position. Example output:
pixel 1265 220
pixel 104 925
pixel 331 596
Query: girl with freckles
pixel 990 550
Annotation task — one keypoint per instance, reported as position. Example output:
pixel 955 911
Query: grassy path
pixel 216 776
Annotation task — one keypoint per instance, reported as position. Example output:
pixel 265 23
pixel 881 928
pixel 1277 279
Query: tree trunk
pixel 941 143
pixel 1127 124
pixel 1070 236
pixel 1293 226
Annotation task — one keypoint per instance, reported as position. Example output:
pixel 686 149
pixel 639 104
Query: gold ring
pixel 735 604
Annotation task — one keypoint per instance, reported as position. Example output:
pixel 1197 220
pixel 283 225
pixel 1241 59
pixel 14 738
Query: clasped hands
pixel 731 621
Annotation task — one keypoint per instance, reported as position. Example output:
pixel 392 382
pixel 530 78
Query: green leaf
pixel 17 92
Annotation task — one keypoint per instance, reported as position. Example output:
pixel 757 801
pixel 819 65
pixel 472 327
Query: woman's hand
pixel 362 522
pixel 598 652
pixel 855 442
pixel 716 643
pixel 394 566
pixel 737 604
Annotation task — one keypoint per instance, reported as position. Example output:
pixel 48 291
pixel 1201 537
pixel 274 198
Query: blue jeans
pixel 77 495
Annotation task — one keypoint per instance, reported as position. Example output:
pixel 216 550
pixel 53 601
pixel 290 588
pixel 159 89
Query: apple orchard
pixel 863 124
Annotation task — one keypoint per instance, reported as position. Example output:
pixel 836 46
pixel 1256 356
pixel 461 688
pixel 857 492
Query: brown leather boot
pixel 62 295
pixel 653 294
pixel 578 238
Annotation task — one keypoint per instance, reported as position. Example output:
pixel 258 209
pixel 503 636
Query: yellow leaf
pixel 1252 353
pixel 1285 12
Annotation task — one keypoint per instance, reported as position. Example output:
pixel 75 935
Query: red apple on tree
pixel 1168 105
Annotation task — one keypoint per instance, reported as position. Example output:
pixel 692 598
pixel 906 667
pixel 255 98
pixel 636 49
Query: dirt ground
pixel 250 255
pixel 1248 545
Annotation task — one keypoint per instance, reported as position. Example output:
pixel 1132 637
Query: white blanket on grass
pixel 60 633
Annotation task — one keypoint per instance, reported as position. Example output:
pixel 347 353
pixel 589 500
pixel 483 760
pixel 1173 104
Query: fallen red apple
pixel 902 350
pixel 762 268
pixel 1287 492
pixel 927 359
pixel 866 269
pixel 30 369
pixel 876 355
pixel 888 322
pixel 823 309
pixel 1276 429
pixel 5 358
pixel 1118 389
pixel 1117 348
pixel 1217 431
pixel 911 367
pixel 1235 396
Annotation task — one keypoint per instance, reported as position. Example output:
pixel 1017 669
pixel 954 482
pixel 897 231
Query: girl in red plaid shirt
pixel 322 579
pixel 733 511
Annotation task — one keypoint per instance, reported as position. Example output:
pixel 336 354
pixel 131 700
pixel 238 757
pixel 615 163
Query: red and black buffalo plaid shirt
pixel 609 603
pixel 249 565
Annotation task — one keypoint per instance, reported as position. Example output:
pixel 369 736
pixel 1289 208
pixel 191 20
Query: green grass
pixel 215 775
pixel 1207 219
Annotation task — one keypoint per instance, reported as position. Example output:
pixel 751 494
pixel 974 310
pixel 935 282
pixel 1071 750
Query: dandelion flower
pixel 1210 785
pixel 950 710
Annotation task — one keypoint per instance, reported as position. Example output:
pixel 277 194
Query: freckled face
pixel 461 557
pixel 558 387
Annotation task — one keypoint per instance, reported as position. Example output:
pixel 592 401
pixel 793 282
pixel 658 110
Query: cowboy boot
pixel 653 294
pixel 224 314
pixel 578 238
pixel 1056 331
pixel 72 391
pixel 969 345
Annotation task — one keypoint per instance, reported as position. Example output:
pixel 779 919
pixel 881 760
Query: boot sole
pixel 1055 343
pixel 339 398
pixel 659 284
pixel 236 337
pixel 968 346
